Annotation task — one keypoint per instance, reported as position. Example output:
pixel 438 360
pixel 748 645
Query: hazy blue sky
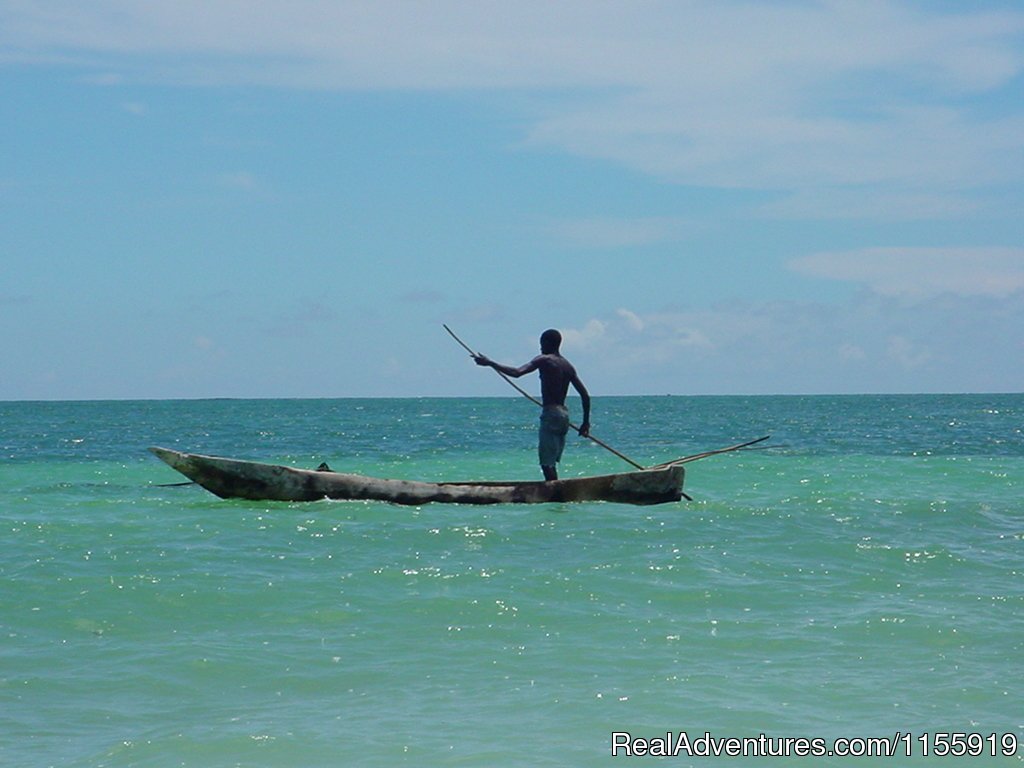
pixel 287 198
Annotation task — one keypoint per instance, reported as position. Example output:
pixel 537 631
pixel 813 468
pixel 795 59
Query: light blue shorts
pixel 554 426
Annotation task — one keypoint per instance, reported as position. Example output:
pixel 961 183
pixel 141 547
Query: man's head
pixel 550 341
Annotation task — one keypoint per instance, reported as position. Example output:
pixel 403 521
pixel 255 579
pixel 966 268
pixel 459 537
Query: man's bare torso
pixel 556 373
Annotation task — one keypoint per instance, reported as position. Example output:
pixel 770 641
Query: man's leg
pixel 554 424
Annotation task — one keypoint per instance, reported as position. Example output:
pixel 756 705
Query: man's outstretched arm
pixel 508 370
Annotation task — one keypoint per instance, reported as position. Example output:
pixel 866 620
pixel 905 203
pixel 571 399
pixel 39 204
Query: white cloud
pixel 867 344
pixel 877 96
pixel 634 338
pixel 590 335
pixel 922 272
pixel 632 319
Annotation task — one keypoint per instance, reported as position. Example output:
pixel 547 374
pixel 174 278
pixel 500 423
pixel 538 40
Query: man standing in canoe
pixel 556 374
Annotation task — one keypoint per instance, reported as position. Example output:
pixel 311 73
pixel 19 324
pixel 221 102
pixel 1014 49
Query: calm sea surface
pixel 863 578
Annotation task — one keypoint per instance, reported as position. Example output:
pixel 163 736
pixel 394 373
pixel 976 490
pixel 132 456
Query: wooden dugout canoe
pixel 233 478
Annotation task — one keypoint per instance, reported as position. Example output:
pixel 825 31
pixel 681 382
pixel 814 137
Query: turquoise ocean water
pixel 865 578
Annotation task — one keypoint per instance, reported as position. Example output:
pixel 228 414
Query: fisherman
pixel 556 374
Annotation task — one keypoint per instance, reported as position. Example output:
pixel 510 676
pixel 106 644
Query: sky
pixel 288 198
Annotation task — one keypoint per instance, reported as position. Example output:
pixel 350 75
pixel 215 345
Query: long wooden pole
pixel 705 454
pixel 530 397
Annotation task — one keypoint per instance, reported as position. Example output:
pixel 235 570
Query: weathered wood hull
pixel 233 478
